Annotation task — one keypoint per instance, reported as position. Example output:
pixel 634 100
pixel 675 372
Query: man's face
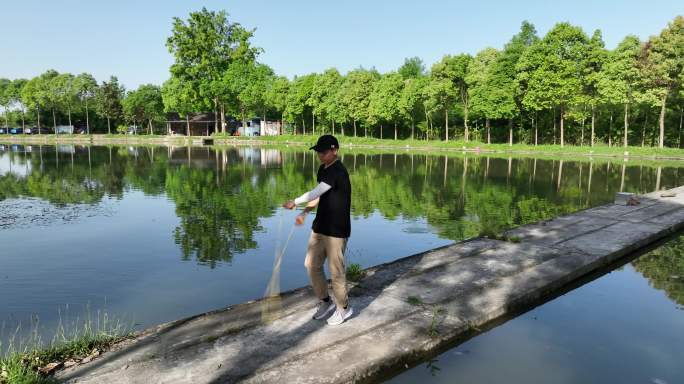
pixel 327 156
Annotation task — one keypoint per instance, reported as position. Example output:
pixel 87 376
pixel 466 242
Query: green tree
pixel 248 82
pixel 384 101
pixel 440 95
pixel 484 94
pixel 276 96
pixel 596 58
pixel 66 92
pixel 86 86
pixel 204 47
pixel 662 63
pixel 50 94
pixel 297 99
pixel 412 68
pixel 620 78
pixel 355 93
pixel 36 93
pixel 505 81
pixel 5 98
pixel 144 104
pixel 108 100
pixel 178 96
pixel 323 95
pixel 15 95
pixel 551 70
pixel 411 100
pixel 454 69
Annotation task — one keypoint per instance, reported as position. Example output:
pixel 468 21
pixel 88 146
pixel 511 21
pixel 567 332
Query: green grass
pixel 21 360
pixel 414 300
pixel 437 317
pixel 513 239
pixel 370 143
pixel 346 141
pixel 355 273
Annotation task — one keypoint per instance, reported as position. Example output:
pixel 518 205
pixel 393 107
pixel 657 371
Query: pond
pixel 152 234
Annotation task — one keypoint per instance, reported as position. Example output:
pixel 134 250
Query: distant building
pixel 68 129
pixel 258 127
pixel 201 124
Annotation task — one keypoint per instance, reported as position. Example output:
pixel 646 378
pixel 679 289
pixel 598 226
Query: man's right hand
pixel 289 204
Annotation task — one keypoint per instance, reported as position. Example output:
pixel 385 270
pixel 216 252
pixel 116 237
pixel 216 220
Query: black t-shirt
pixel 334 207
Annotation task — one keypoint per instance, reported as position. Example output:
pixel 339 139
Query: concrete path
pixel 405 309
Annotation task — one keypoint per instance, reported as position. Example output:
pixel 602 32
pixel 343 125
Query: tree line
pixel 563 88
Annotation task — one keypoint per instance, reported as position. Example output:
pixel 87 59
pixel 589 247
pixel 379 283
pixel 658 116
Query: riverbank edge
pixel 358 143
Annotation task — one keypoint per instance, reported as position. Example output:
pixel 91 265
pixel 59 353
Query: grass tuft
pixel 355 273
pixel 21 361
pixel 414 300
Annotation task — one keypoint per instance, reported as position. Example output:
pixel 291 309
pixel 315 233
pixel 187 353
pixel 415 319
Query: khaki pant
pixel 320 247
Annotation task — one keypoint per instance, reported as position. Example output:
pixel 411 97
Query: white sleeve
pixel 313 194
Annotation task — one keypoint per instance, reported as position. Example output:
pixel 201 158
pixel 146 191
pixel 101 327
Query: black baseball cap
pixel 326 142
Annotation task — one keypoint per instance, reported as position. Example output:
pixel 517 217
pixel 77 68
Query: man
pixel 330 230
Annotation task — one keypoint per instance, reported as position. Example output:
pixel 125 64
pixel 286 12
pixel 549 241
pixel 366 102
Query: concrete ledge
pixel 453 289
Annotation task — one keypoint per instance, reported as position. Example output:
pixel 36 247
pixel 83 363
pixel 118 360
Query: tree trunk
pixel 109 126
pixel 582 133
pixel 354 127
pixel 554 125
pixel 187 124
pixel 333 127
pixel 23 124
pixel 87 117
pixel 313 123
pixel 465 123
pixel 661 135
pixel 626 123
pixel 681 115
pixel 610 130
pixel 510 132
pixel 38 114
pixel 427 123
pixel 562 122
pixel 413 127
pixel 149 124
pixel 643 129
pixel 536 126
pixel 593 124
pixel 303 126
pixel 69 113
pixel 395 130
pixel 464 97
pixel 380 131
pixel 489 137
pixel 6 115
pixel 54 120
pixel 446 124
pixel 223 120
pixel 244 120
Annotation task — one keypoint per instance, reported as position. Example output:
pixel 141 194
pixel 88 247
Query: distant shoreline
pixel 349 142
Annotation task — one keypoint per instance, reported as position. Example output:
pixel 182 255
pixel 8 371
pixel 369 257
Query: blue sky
pixel 127 38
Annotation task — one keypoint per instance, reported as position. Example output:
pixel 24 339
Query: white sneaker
pixel 323 309
pixel 340 316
